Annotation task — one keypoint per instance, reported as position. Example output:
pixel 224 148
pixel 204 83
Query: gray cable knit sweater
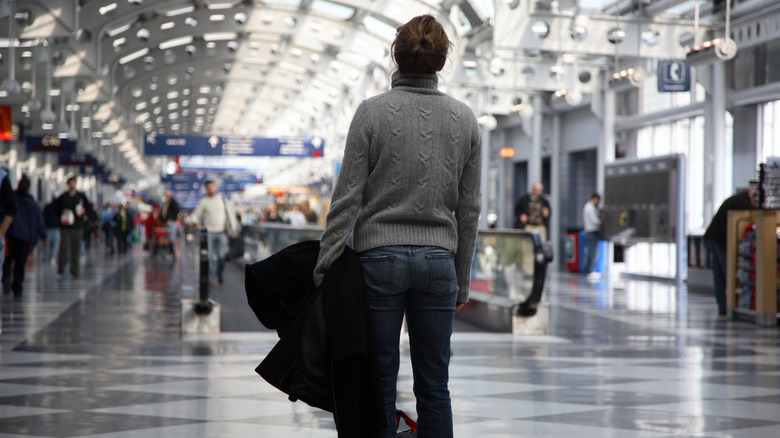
pixel 410 176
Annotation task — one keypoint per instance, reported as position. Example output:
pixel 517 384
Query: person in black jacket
pixel 23 234
pixel 8 210
pixel 715 239
pixel 74 210
pixel 532 211
pixel 169 213
pixel 52 222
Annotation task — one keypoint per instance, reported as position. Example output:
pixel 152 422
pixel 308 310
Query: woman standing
pixel 409 192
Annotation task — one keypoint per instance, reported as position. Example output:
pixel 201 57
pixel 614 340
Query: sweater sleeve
pixel 467 214
pixel 348 193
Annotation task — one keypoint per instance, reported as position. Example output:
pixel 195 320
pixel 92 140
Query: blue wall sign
pixel 674 75
pixel 233 146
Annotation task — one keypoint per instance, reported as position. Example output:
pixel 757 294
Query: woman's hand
pixel 459 306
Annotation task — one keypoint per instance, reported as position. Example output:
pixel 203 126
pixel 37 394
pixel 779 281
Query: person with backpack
pixel 22 235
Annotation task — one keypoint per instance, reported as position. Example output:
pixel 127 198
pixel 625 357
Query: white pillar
pixel 555 178
pixel 535 160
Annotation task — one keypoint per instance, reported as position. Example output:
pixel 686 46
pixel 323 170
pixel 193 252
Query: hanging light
pixel 47 115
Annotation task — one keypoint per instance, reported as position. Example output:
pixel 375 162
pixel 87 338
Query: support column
pixel 606 154
pixel 717 171
pixel 46 182
pixel 484 181
pixel 606 151
pixel 535 160
pixel 555 189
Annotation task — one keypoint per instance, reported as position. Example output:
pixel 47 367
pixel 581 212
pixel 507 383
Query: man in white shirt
pixel 216 215
pixel 592 222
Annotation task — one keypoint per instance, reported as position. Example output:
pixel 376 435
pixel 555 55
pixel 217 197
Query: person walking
pixel 74 210
pixel 123 226
pixel 592 222
pixel 215 213
pixel 715 239
pixel 532 211
pixel 409 194
pixel 23 234
pixel 108 226
pixel 51 220
pixel 169 213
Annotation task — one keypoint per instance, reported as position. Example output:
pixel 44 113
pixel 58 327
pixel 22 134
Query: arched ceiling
pixel 124 69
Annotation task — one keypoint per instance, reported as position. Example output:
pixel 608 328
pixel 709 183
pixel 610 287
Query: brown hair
pixel 421 45
pixel 24 185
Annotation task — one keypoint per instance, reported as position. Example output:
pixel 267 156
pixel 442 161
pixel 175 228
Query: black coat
pixel 324 356
pixel 717 230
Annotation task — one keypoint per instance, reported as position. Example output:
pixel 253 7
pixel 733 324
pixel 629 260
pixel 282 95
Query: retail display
pixel 752 290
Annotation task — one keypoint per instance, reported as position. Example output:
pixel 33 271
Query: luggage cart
pixel 162 244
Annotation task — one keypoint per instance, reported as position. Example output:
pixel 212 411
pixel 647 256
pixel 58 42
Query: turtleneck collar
pixel 416 80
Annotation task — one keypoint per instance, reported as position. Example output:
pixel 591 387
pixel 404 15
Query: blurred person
pixel 151 222
pixel 409 194
pixel 52 222
pixel 169 213
pixel 108 226
pixel 592 223
pixel 311 216
pixel 73 208
pixel 715 239
pixel 7 212
pixel 296 217
pixel 123 227
pixel 215 213
pixel 272 214
pixel 90 225
pixel 23 234
pixel 532 211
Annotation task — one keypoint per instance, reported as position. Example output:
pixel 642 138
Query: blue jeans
pixel 53 243
pixel 718 273
pixel 218 247
pixel 420 282
pixel 592 239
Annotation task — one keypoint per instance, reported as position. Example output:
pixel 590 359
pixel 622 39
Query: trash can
pixel 601 261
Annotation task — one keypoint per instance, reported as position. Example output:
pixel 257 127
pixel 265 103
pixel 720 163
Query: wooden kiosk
pixel 766 263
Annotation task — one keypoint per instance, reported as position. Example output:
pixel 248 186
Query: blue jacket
pixel 28 222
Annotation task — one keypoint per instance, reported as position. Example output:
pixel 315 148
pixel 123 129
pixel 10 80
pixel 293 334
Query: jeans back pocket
pixel 441 271
pixel 379 271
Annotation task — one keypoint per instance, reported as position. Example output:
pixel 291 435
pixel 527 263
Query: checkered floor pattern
pixel 102 356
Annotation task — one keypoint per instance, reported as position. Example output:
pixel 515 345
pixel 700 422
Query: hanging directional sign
pixel 233 146
pixel 50 143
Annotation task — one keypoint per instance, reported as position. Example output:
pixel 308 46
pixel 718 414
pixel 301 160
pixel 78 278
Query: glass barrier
pixel 263 240
pixel 506 262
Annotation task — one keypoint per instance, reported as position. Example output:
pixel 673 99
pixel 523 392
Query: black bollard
pixel 204 305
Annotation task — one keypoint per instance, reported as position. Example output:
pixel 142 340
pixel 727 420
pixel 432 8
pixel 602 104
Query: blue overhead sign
pixel 233 146
pixel 674 75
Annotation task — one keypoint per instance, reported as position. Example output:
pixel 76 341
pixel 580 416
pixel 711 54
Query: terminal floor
pixel 102 356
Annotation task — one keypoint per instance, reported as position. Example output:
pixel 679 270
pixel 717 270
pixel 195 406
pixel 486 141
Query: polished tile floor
pixel 102 356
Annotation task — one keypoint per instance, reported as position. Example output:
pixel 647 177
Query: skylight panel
pixel 332 9
pixel 379 28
